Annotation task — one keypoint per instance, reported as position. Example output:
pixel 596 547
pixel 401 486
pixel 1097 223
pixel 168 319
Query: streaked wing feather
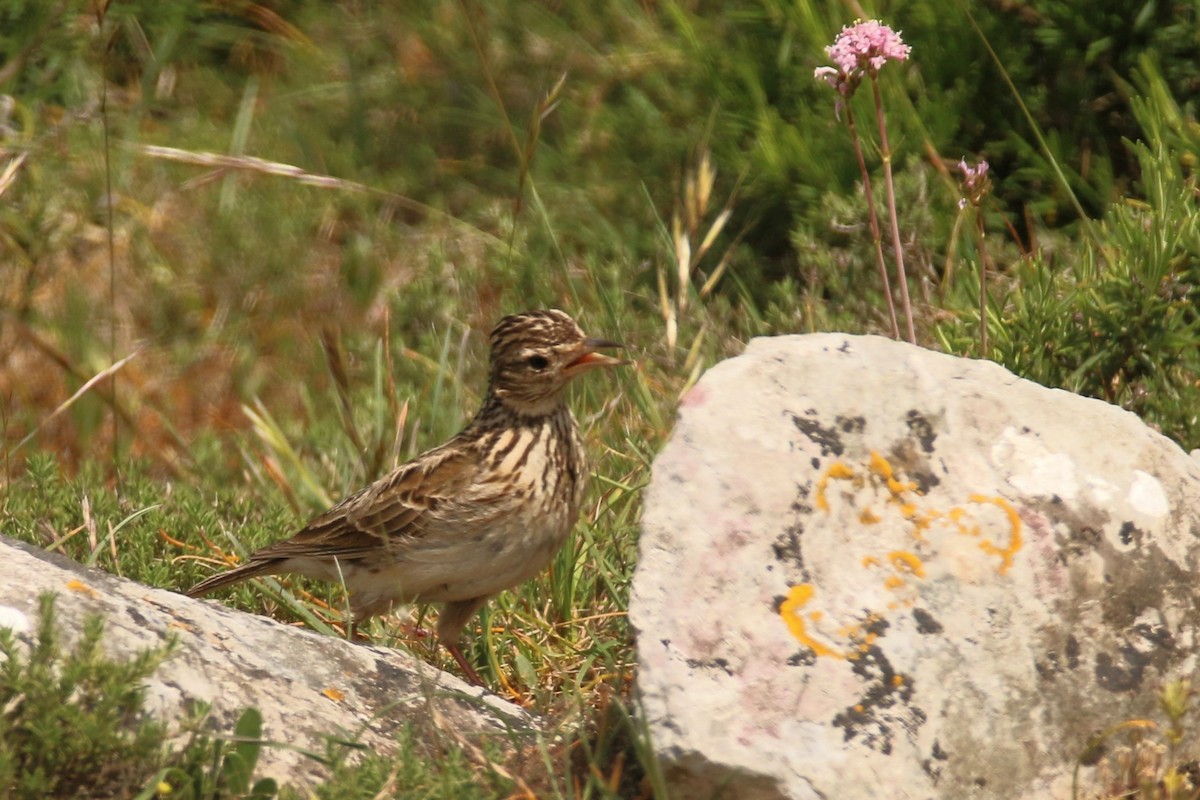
pixel 388 513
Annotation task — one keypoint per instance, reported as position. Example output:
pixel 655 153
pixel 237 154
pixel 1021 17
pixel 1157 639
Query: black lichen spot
pixel 851 424
pixel 883 708
pixel 922 429
pixel 1121 678
pixel 816 463
pixel 925 480
pixel 1072 652
pixel 803 657
pixel 801 505
pixel 1130 533
pixel 1050 666
pixel 925 622
pixel 931 769
pixel 826 438
pixel 711 663
pixel 876 625
pixel 777 603
pixel 136 616
pixel 787 547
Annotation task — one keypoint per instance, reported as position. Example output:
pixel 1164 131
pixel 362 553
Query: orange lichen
pixel 81 587
pixel 840 471
pixel 905 561
pixel 881 467
pixel 336 695
pixel 1014 538
pixel 837 471
pixel 798 597
pixel 905 511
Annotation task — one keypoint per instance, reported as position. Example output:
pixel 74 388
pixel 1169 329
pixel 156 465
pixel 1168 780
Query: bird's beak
pixel 588 358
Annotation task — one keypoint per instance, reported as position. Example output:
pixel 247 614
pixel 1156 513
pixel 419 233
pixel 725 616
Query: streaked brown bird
pixel 481 513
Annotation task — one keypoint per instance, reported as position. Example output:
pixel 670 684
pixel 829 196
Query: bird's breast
pixel 543 465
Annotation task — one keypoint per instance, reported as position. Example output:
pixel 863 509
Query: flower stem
pixel 886 153
pixel 983 271
pixel 876 236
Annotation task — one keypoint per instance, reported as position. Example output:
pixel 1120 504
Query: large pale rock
pixel 870 570
pixel 307 686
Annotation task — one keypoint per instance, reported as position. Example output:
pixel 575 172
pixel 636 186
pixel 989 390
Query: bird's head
pixel 535 354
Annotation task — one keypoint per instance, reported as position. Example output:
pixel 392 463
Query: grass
pixel 298 324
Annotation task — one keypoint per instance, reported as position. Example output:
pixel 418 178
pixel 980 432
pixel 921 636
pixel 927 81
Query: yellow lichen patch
pixel 897 680
pixel 1014 537
pixel 881 467
pixel 821 501
pixel 898 514
pixel 336 695
pixel 798 597
pixel 905 561
pixel 81 587
pixel 840 471
pixel 837 471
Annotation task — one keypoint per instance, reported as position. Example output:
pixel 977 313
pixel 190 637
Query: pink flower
pixel 972 175
pixel 867 46
pixel 975 182
pixel 842 83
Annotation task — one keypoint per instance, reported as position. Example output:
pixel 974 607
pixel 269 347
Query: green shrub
pixel 71 720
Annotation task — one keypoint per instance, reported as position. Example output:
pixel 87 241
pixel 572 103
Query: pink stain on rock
pixel 695 397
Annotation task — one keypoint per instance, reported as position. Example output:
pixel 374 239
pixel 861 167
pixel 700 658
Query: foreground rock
pixel 307 686
pixel 870 570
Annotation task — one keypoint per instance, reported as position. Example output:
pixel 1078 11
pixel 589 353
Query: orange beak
pixel 589 358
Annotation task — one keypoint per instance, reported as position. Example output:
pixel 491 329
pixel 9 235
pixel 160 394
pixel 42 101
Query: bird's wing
pixel 390 514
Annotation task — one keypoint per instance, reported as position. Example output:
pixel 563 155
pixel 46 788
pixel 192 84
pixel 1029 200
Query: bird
pixel 483 512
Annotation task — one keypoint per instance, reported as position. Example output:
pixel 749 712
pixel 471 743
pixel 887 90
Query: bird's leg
pixel 454 615
pixel 472 676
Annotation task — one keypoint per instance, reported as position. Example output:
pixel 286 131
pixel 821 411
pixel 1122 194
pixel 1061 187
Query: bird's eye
pixel 537 363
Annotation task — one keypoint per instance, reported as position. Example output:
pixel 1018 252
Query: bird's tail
pixel 251 569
